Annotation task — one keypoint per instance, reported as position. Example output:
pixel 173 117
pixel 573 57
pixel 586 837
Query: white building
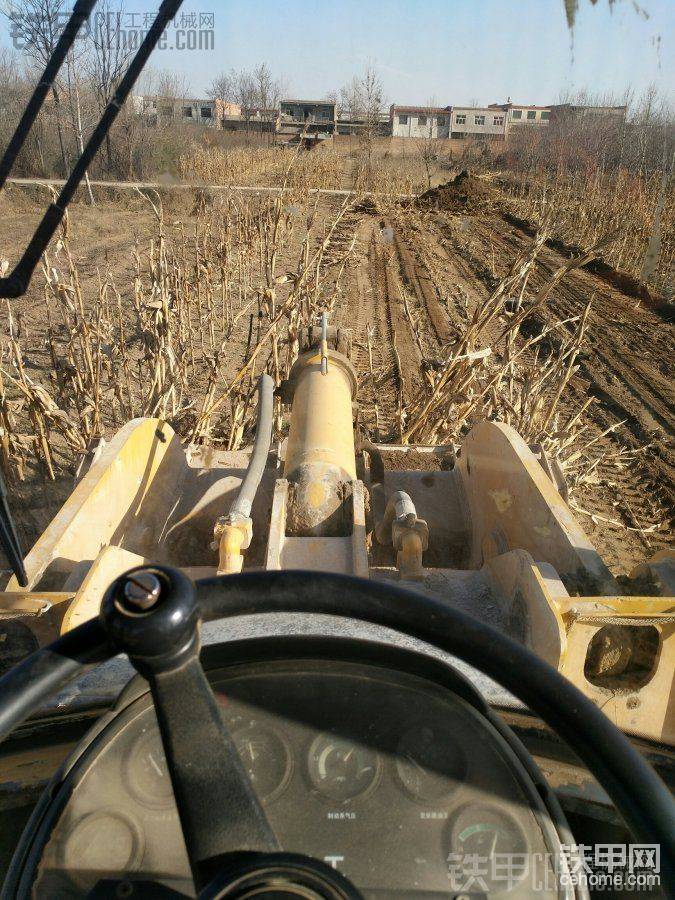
pixel 478 121
pixel 420 121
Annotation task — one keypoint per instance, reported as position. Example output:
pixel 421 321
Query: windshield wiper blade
pixel 16 284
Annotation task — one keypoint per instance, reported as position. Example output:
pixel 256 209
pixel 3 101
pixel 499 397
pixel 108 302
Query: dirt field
pixel 412 279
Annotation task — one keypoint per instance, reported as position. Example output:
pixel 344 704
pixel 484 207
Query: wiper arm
pixel 16 284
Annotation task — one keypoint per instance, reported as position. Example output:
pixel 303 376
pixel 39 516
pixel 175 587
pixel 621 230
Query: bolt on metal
pixel 142 589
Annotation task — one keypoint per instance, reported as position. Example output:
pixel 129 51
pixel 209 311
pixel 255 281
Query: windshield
pixel 465 210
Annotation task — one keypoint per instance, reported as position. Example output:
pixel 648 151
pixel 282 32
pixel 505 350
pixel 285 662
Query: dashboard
pixel 390 777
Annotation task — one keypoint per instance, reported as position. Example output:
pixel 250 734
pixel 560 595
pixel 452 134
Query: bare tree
pixel 372 96
pixel 108 57
pixel 352 102
pixel 36 25
pixel 224 87
pixel 75 87
pixel 269 92
pixel 428 146
pixel 258 92
pixel 172 85
pixel 12 87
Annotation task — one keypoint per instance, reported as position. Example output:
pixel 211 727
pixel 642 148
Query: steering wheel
pixel 154 614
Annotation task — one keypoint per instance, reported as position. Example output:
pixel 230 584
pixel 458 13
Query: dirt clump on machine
pixel 465 192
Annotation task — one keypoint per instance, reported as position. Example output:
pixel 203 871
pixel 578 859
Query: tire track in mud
pixel 639 494
pixel 414 285
pixel 618 334
pixel 627 391
pixel 381 318
pixel 365 312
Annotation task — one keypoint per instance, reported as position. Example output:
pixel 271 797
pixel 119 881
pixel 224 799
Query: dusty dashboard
pixel 393 779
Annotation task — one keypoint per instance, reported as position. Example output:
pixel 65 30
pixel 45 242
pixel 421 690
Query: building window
pixel 516 114
pixel 546 114
pixel 166 111
pixel 479 120
pixel 531 114
pixel 421 120
pixel 206 112
pixel 187 112
pixel 441 121
pixel 460 118
pixel 402 120
pixel 499 120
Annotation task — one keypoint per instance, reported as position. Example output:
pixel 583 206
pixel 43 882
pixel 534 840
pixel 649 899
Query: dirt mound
pixel 464 193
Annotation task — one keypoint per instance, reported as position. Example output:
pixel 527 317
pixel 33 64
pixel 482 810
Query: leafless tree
pixel 428 146
pixel 368 94
pixel 224 87
pixel 352 101
pixel 172 85
pixel 258 92
pixel 80 121
pixel 36 26
pixel 108 57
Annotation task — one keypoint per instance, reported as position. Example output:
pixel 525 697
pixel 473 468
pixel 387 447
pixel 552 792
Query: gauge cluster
pixel 388 777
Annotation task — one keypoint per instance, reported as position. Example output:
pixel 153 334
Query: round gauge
pixel 340 769
pixel 147 775
pixel 106 841
pixel 483 832
pixel 430 763
pixel 266 758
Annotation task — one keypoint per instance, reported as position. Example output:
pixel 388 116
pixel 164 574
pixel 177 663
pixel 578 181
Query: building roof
pixel 511 105
pixel 489 109
pixel 311 102
pixel 429 110
pixel 587 106
pixel 194 100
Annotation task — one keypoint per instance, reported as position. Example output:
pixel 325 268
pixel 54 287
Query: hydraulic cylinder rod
pixel 320 458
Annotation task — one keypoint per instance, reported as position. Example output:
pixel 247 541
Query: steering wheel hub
pixel 281 876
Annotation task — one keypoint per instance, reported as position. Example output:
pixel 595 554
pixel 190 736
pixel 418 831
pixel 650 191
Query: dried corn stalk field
pixel 172 307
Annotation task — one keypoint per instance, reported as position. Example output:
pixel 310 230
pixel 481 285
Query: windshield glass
pixel 460 216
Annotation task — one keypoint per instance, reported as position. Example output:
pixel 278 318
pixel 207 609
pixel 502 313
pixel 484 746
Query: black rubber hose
pixel 24 689
pixel 241 506
pixel 636 790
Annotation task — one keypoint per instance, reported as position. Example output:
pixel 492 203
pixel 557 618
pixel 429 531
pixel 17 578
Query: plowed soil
pixel 411 289
pixel 413 278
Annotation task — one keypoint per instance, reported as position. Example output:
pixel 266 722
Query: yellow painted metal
pixel 32 603
pixel 234 538
pixel 321 429
pixel 409 557
pixel 105 506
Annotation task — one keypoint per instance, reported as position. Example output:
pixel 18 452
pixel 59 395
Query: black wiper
pixel 16 284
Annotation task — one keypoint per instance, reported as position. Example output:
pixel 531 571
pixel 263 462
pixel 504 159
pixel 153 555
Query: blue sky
pixel 445 51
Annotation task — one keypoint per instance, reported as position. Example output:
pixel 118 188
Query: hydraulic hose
pixel 399 506
pixel 241 506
